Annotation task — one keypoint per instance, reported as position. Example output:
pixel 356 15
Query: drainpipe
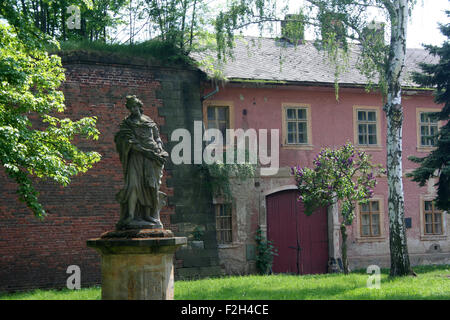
pixel 210 94
pixel 207 96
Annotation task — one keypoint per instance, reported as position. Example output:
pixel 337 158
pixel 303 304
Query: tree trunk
pixel 400 264
pixel 344 248
pixel 24 9
pixel 63 20
pixel 192 26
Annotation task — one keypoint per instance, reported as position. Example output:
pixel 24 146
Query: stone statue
pixel 142 156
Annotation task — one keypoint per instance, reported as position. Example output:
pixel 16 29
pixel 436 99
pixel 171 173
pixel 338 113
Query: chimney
pixel 333 26
pixel 374 31
pixel 293 28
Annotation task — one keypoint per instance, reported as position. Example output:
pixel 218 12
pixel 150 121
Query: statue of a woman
pixel 142 156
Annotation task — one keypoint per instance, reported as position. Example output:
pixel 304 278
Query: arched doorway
pixel 301 240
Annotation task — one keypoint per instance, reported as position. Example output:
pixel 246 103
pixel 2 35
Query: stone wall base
pixel 362 262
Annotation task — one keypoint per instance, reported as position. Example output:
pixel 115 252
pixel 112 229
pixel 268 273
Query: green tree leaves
pixel 34 142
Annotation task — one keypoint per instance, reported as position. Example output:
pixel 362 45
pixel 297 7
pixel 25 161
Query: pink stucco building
pixel 274 85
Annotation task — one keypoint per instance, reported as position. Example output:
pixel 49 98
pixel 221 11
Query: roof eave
pixel 263 82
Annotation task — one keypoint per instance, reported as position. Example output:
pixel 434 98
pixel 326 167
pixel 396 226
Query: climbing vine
pixel 219 174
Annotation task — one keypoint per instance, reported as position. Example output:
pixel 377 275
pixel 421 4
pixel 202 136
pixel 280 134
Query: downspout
pixel 206 97
pixel 210 94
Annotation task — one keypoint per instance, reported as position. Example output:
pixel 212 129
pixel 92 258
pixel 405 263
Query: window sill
pixel 228 246
pixel 433 237
pixel 369 148
pixel 370 239
pixel 425 149
pixel 297 146
pixel 220 199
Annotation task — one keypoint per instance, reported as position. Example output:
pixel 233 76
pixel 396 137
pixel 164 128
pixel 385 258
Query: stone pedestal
pixel 137 264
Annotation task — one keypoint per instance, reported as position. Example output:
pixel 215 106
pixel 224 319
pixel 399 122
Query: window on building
pixel 432 218
pixel 370 219
pixel 218 117
pixel 428 127
pixel 296 125
pixel 224 223
pixel 367 127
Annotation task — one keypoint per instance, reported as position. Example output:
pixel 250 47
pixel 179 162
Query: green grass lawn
pixel 432 282
pixel 93 293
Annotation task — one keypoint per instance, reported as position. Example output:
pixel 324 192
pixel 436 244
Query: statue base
pixel 137 264
pixel 138 224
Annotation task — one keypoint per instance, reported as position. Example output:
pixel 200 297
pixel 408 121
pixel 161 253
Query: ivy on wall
pixel 219 175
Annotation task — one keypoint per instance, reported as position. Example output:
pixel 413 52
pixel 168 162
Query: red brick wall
pixel 37 253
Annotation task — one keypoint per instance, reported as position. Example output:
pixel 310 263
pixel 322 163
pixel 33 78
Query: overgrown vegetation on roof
pixel 153 49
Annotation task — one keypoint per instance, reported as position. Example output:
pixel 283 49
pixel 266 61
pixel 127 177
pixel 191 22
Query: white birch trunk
pixel 400 264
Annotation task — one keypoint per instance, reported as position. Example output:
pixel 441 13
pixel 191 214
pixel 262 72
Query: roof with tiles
pixel 275 60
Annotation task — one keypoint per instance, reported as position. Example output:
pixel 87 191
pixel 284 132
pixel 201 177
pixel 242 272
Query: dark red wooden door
pixel 301 240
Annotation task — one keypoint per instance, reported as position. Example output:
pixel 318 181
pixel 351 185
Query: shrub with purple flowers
pixel 342 175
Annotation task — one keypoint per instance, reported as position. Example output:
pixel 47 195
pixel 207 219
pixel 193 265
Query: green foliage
pixel 265 251
pixel 437 163
pixel 197 234
pixel 239 14
pixel 177 27
pixel 333 40
pixel 220 173
pixel 181 23
pixel 343 174
pixel 341 25
pixel 164 52
pixel 374 56
pixel 33 142
pixel 294 27
pixel 50 17
pixel 177 21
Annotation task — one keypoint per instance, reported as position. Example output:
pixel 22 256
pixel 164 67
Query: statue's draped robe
pixel 137 143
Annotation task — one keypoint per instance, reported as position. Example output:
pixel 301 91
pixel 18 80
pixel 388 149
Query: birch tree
pixel 398 12
pixel 341 24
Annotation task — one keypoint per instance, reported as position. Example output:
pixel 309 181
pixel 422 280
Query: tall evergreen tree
pixel 437 163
